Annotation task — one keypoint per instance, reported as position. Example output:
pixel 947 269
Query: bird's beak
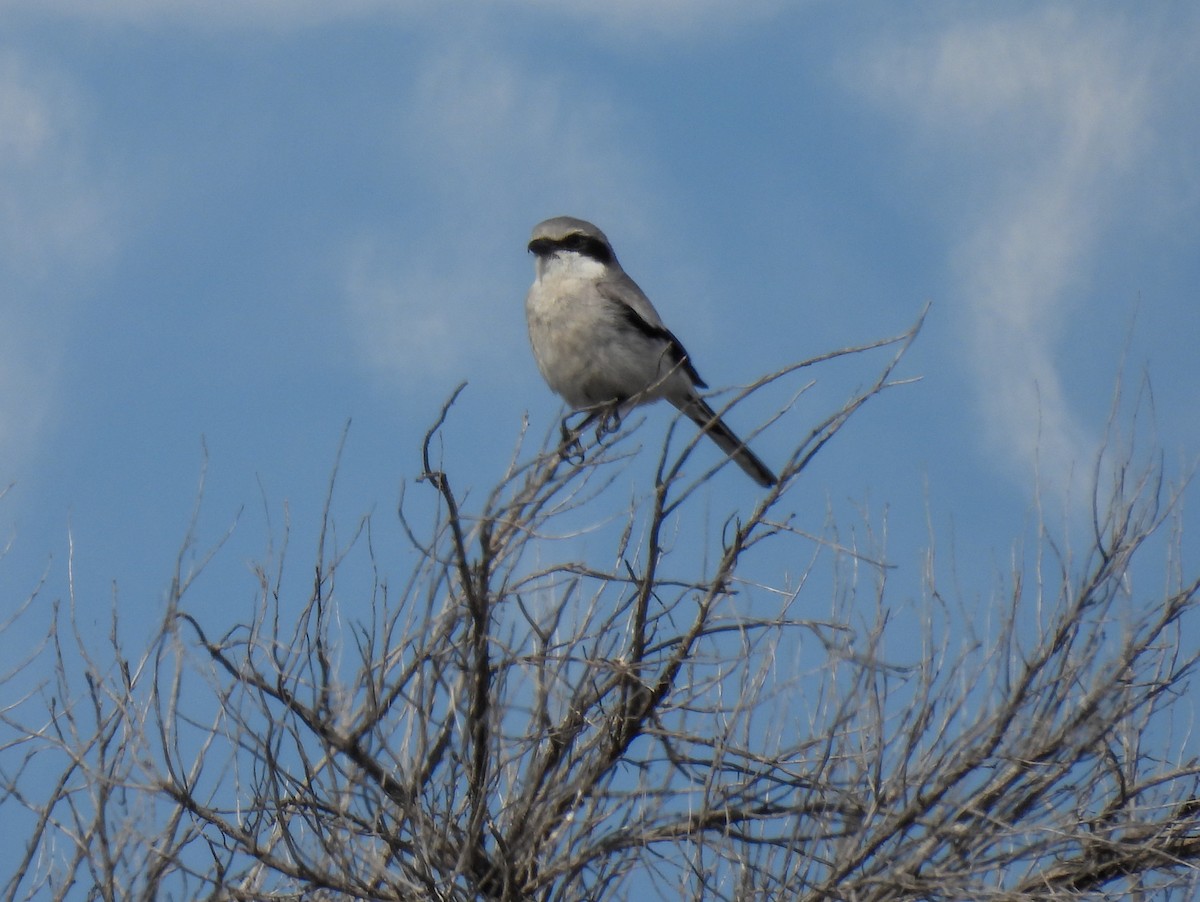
pixel 540 246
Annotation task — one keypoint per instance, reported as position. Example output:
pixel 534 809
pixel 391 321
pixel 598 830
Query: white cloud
pixel 498 144
pixel 49 213
pixel 658 19
pixel 211 13
pixel 54 231
pixel 497 147
pixel 409 320
pixel 1045 113
pixel 650 18
pixel 490 129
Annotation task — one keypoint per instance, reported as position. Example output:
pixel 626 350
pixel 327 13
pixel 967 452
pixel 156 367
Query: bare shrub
pixel 525 716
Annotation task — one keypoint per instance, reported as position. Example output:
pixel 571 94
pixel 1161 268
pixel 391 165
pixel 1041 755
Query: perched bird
pixel 600 343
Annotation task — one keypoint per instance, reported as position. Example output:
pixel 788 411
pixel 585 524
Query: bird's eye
pixel 575 241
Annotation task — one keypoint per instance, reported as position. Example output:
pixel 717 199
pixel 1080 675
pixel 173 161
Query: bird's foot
pixel 607 420
pixel 610 421
pixel 571 447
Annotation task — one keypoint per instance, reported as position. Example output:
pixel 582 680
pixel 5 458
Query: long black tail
pixel 705 417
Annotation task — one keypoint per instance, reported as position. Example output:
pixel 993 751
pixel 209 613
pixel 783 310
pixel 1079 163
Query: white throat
pixel 571 265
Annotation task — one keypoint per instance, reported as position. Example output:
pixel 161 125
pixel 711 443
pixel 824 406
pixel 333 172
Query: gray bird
pixel 600 343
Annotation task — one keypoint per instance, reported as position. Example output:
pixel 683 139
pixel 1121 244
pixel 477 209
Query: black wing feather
pixel 675 349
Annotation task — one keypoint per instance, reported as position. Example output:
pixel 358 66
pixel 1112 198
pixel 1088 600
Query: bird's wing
pixel 639 314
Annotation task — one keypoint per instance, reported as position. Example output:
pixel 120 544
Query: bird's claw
pixel 610 422
pixel 571 447
pixel 607 420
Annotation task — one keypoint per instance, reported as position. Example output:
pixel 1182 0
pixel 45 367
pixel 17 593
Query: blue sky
pixel 237 225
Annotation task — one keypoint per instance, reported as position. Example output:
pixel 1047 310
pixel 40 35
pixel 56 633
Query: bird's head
pixel 571 241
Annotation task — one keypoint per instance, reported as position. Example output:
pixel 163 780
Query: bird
pixel 600 344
